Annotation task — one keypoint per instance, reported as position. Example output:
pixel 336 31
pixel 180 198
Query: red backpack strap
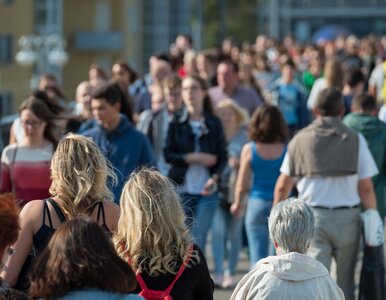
pixel 141 282
pixel 180 271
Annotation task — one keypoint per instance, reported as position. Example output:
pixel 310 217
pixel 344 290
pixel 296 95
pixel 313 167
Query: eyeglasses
pixel 33 124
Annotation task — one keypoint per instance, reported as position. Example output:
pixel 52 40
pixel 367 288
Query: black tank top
pixel 43 235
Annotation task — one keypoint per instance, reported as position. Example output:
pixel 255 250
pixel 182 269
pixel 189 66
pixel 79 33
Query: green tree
pixel 239 21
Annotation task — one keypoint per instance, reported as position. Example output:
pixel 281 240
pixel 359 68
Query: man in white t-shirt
pixel 333 167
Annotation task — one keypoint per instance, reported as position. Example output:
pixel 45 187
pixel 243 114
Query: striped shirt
pixel 26 172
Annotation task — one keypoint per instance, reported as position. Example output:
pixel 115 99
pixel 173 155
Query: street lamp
pixel 44 51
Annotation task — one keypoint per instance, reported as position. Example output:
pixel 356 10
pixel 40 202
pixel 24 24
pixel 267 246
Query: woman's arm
pixel 242 182
pixel 29 217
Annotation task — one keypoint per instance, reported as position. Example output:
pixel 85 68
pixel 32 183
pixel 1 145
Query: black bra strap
pixel 45 209
pixel 101 209
pixel 59 212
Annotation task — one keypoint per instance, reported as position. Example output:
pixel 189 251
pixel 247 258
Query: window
pixel 6 43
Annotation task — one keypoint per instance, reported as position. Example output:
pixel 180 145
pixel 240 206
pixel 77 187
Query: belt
pixel 337 207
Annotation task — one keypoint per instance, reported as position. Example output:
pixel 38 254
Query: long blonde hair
pixel 333 72
pixel 241 113
pixel 79 172
pixel 152 234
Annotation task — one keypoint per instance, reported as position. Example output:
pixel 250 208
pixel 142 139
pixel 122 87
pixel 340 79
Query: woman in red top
pixel 25 166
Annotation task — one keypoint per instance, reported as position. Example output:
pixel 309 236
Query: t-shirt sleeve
pixel 285 169
pixel 376 76
pixel 366 164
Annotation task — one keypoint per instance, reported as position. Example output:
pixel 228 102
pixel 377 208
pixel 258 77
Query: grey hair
pixel 292 225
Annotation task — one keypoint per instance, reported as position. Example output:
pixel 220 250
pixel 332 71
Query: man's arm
pixel 282 188
pixel 366 193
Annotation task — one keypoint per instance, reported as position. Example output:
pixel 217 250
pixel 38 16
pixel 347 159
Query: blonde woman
pixel 79 172
pixel 152 236
pixel 226 228
pixel 333 77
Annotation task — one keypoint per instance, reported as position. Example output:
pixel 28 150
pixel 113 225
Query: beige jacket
pixel 291 276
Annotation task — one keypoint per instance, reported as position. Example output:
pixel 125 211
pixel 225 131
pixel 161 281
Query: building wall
pixel 301 16
pixel 16 19
pixel 98 31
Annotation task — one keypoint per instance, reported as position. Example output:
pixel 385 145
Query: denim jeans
pixel 199 211
pixel 226 234
pixel 256 226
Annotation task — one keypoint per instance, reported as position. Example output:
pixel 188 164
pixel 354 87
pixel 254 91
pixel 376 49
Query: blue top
pixel 289 102
pixel 125 147
pixel 265 174
pixel 96 294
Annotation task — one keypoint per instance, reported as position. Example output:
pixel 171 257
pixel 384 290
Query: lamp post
pixel 47 52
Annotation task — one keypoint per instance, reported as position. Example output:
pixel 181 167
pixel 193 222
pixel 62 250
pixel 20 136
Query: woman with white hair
pixel 291 274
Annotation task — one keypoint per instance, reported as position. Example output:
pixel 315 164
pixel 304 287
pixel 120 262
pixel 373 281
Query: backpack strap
pixel 141 282
pixel 180 271
pixel 59 212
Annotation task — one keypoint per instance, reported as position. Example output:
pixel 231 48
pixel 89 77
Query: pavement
pixel 242 269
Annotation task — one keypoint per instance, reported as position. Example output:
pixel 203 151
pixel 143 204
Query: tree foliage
pixel 240 21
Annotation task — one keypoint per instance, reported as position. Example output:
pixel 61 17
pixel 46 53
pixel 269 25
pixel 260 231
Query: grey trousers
pixel 337 236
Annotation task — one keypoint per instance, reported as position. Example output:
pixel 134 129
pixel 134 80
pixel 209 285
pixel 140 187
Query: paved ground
pixel 242 269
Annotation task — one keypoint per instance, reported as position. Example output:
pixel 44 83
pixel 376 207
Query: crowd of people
pixel 119 189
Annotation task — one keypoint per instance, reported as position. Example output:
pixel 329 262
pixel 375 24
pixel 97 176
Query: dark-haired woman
pixel 196 149
pixel 25 166
pixel 260 158
pixel 80 262
pixel 54 100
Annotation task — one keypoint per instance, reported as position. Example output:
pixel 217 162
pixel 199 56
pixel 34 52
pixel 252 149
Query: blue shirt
pixel 96 294
pixel 125 147
pixel 288 102
pixel 265 174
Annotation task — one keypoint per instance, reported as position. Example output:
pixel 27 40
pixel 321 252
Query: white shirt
pixel 377 79
pixel 197 174
pixel 382 113
pixel 319 85
pixel 335 191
